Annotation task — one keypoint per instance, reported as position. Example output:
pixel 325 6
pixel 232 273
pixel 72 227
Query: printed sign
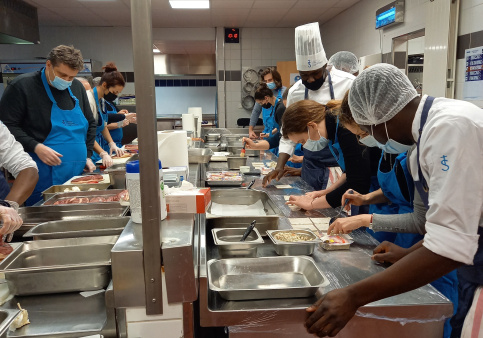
pixel 473 87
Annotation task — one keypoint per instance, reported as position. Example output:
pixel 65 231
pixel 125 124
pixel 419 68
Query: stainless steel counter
pixel 422 310
pixel 63 316
pixel 179 238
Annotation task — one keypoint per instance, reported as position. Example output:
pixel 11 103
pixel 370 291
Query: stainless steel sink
pixel 245 197
pixel 6 318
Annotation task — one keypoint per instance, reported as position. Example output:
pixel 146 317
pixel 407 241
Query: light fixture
pixel 156 49
pixel 190 4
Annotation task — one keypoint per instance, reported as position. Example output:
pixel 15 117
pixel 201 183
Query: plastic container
pixel 134 187
pixel 244 169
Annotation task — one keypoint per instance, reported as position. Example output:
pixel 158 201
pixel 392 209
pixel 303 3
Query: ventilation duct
pixel 19 23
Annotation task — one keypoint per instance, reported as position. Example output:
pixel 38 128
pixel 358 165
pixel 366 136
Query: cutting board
pixel 105 180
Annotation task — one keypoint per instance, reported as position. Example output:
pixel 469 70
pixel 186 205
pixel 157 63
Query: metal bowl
pixel 235 162
pixel 199 155
pixel 213 146
pixel 212 137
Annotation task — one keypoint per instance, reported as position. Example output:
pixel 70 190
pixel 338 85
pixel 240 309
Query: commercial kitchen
pixel 241 168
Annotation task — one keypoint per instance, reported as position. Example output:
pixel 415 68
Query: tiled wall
pixel 257 47
pixel 354 29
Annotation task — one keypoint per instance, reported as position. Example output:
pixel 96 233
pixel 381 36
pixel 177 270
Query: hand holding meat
pixel 11 220
pixel 303 202
pixel 113 148
pixel 346 225
pixel 131 117
pixel 106 159
pixel 48 155
pixel 90 166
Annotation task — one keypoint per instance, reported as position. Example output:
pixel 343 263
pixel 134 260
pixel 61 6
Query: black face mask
pixel 267 105
pixel 110 97
pixel 314 85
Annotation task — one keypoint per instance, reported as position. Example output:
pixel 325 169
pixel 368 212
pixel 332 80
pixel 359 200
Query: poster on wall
pixel 473 87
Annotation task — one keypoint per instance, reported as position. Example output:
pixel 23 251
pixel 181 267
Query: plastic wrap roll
pixel 172 148
pixel 197 111
pixel 188 121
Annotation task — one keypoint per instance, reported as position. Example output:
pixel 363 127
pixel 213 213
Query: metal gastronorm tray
pixel 59 265
pixel 88 194
pixel 59 189
pixel 89 227
pixel 294 248
pixel 265 277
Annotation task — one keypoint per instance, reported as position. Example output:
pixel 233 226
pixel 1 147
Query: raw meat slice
pixel 5 249
pixel 97 200
pixel 88 179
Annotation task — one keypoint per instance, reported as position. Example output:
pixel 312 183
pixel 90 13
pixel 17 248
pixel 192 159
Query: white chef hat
pixel 309 51
pixel 344 61
pixel 379 93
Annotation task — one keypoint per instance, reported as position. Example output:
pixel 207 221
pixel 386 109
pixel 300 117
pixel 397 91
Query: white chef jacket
pixel 12 156
pixel 451 158
pixel 341 83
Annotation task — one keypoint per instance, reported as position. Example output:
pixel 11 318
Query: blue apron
pixel 269 122
pixel 315 164
pixel 387 181
pixel 116 134
pixel 101 124
pixel 335 149
pixel 466 278
pixel 67 137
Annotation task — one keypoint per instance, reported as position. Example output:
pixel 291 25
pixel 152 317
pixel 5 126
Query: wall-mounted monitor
pixel 390 14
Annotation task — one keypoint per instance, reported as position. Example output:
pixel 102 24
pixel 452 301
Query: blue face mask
pixel 318 145
pixel 271 85
pixel 369 141
pixel 391 146
pixel 59 83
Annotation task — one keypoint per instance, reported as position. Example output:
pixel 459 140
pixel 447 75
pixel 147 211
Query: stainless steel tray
pixel 59 189
pixel 88 194
pixel 235 162
pixel 33 216
pixel 248 152
pixel 59 265
pixel 244 197
pixel 265 277
pixel 229 245
pixel 232 183
pixel 294 248
pixel 199 155
pixel 117 175
pixel 90 227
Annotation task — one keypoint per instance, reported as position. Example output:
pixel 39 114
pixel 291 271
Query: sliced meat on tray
pixel 123 196
pixel 88 179
pixel 97 200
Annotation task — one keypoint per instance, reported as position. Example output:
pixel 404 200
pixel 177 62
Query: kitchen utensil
pixel 249 229
pixel 332 220
pixel 242 153
pixel 251 184
pixel 199 155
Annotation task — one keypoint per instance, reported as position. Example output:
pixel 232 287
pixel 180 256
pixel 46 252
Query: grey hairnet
pixel 96 81
pixel 379 93
pixel 345 61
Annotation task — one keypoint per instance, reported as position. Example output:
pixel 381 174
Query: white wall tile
pixel 256 54
pixel 471 19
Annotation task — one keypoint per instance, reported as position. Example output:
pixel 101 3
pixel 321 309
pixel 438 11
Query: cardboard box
pixel 186 202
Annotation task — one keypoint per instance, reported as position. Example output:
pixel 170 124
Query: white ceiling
pixel 222 13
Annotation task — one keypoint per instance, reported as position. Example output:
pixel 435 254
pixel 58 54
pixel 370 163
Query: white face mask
pixel 391 146
pixel 318 145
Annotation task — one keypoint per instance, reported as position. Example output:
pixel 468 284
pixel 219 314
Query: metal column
pixel 148 154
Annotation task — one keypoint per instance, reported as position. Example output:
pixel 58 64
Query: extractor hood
pixel 19 23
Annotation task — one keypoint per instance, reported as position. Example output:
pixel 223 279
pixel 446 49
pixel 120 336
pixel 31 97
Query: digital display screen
pixel 386 18
pixel 232 35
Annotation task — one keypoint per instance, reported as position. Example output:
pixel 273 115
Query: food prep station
pixel 79 271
